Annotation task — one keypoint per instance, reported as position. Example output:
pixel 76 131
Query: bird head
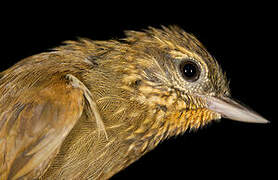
pixel 180 81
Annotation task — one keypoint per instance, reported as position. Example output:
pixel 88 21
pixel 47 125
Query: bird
pixel 87 109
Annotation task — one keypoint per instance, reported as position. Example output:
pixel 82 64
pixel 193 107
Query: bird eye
pixel 190 71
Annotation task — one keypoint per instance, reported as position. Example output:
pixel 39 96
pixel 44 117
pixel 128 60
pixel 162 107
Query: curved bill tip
pixel 230 109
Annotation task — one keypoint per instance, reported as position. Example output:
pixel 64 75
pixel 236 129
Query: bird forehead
pixel 161 51
pixel 171 40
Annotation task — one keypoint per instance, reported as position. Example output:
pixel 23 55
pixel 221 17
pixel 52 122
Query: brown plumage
pixel 88 109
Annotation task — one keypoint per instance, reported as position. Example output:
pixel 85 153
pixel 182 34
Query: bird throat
pixel 168 115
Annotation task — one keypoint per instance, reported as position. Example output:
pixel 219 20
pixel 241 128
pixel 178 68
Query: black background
pixel 240 36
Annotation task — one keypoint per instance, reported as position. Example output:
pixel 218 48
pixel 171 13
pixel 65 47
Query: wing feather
pixel 34 125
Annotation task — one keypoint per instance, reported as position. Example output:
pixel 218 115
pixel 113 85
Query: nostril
pixel 138 82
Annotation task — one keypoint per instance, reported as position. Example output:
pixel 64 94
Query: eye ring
pixel 190 70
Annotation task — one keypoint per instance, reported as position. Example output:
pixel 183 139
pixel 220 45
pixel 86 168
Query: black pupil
pixel 190 71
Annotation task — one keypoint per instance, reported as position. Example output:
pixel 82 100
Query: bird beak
pixel 230 109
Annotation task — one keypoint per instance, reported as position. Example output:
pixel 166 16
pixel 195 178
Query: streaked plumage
pixel 88 109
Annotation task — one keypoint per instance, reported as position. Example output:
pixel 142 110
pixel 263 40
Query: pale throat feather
pixel 169 114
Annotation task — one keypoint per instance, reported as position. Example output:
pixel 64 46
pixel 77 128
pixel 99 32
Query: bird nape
pixel 88 109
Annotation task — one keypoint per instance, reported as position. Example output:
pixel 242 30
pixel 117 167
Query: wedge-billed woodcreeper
pixel 88 109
